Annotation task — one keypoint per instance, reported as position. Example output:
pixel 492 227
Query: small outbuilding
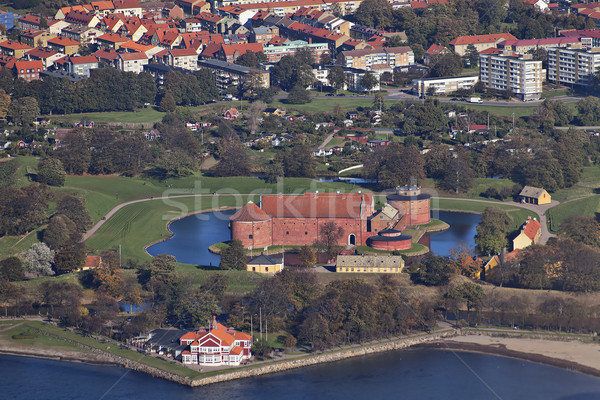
pixel 533 195
pixel 265 264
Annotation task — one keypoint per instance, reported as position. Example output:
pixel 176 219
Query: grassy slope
pixel 587 206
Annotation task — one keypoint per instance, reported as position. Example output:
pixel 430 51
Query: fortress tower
pixel 411 203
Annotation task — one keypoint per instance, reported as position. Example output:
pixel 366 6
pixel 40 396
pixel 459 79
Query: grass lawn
pixel 506 111
pixel 587 206
pixel 11 245
pixel 519 215
pixel 145 115
pixel 554 93
pixel 328 104
pixel 40 341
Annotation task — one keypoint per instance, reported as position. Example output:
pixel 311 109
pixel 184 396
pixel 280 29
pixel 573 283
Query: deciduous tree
pixel 38 260
pixel 51 172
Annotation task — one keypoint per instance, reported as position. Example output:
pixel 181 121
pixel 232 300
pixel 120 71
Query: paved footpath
pixel 540 210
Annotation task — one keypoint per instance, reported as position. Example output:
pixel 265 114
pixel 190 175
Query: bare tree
pixel 254 115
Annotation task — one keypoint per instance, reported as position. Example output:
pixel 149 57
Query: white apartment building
pixel 573 66
pixel 522 75
pixel 366 58
pixel 426 86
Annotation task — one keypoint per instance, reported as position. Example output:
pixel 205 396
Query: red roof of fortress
pixel 317 205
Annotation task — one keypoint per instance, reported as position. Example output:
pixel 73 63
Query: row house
pixel 521 75
pixel 168 38
pixel 191 25
pixel 78 65
pixel 366 59
pixel 231 52
pixel 83 18
pixel 179 58
pixel 573 66
pixel 481 42
pixel 111 41
pixel 29 21
pixel 193 7
pixel 236 12
pixel 64 45
pixel 112 23
pixel 133 29
pixel 263 34
pixel 102 8
pixel 321 19
pixel 13 48
pixel 82 34
pixel 36 37
pixel 281 8
pixel 46 56
pixel 589 38
pixel 130 8
pixel 275 53
pixel 132 62
pixel 216 345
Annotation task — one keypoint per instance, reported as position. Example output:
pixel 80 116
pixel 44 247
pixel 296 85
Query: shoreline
pixel 537 349
pixel 171 234
pixel 502 351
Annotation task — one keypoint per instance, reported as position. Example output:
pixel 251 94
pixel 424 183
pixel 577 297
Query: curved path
pixel 538 209
pixel 118 207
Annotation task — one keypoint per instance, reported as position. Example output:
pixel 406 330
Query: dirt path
pixel 326 141
pixel 538 209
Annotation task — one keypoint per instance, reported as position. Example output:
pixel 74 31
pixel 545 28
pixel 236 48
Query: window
pixel 249 236
pixel 266 269
pixel 287 233
pixel 306 233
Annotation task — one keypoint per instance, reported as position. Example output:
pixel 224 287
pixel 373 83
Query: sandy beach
pixel 572 355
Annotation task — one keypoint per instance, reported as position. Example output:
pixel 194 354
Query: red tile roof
pixel 36 64
pixel 242 48
pixel 92 261
pixel 492 38
pixel 83 60
pixel 250 212
pixel 531 228
pixel 14 45
pixel 112 38
pixel 316 205
pixel 133 56
pixel 63 41
pixel 435 49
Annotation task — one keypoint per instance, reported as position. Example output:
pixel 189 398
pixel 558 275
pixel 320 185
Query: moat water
pixel 412 374
pixel 193 235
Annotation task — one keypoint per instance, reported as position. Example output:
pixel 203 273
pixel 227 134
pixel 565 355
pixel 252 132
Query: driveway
pixel 538 209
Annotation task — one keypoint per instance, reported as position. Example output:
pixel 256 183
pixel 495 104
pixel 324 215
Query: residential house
pixel 36 37
pixel 216 345
pixel 193 7
pixel 130 8
pixel 180 58
pixel 46 56
pixel 265 264
pixel 433 51
pixel 191 25
pixel 237 12
pixel 29 21
pixel 481 42
pixel 111 41
pixel 13 48
pixel 369 264
pixel 78 65
pixel 530 234
pixel 278 112
pixel 28 70
pixel 232 113
pixel 526 45
pixel 322 152
pixel 91 262
pixel 64 45
pixel 83 18
pixel 132 62
pixel 231 52
pixel 358 137
pixel 152 134
pixel 264 34
pixel 82 33
pixel 533 195
pixel 378 143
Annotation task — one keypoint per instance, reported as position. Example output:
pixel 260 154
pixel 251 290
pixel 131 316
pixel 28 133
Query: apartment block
pixel 427 86
pixel 573 66
pixel 366 58
pixel 522 75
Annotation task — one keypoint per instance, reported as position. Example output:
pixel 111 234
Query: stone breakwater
pixel 272 367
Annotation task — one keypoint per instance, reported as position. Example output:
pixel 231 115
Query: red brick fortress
pixel 298 219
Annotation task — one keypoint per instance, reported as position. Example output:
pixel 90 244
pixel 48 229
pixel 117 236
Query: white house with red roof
pixel 232 113
pixel 216 345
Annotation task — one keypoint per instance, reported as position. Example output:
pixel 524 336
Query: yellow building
pixel 264 264
pixel 370 264
pixel 533 195
pixel 278 112
pixel 530 234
